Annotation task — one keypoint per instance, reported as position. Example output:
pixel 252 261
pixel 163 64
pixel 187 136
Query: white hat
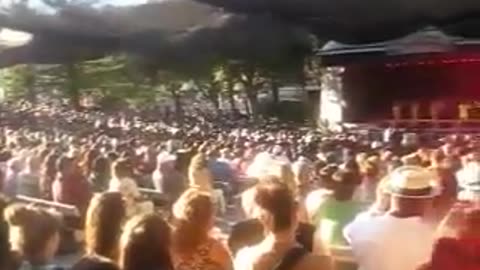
pixel 469 177
pixel 413 182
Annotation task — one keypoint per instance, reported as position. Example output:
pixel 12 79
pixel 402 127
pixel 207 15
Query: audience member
pixel 460 249
pixel 278 215
pixel 70 187
pixel 145 244
pixel 103 226
pixel 199 175
pixel 250 232
pixel 375 240
pixel 34 236
pixel 339 209
pixel 193 247
pixel 122 182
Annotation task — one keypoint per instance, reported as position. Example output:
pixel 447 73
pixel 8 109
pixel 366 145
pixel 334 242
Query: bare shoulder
pixel 315 262
pixel 220 253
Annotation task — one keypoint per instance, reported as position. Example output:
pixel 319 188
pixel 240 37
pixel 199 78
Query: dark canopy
pixel 177 33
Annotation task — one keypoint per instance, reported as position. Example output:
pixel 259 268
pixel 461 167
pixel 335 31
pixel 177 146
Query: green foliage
pixel 16 81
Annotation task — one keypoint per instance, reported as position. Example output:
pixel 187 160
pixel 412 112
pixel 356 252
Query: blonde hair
pixel 193 213
pixel 284 174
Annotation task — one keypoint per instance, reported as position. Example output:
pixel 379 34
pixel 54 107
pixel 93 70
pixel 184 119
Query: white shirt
pixel 390 243
pixel 314 200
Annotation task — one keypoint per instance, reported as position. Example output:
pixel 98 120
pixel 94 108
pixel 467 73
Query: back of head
pixel 31 229
pixel 277 206
pixel 103 224
pixel 145 244
pixel 345 183
pixel 64 164
pixel 5 258
pixel 198 162
pixel 122 168
pixel 193 213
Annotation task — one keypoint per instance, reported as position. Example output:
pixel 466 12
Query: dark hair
pixel 122 168
pixel 145 244
pixel 63 163
pixel 49 172
pixel 35 228
pixel 101 165
pixel 278 201
pixel 103 224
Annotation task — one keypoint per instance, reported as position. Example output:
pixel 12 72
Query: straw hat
pixel 412 182
pixel 469 177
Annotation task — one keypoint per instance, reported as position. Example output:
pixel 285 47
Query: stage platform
pixel 441 126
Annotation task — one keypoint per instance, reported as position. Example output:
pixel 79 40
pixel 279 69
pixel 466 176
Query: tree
pixel 174 86
pixel 211 88
pixel 19 83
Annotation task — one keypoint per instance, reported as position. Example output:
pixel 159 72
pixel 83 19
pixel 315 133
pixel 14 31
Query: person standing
pixel 378 241
pixel 278 214
pixel 123 182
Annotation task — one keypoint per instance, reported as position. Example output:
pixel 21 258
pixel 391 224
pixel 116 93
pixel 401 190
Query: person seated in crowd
pixel 87 160
pixel 315 198
pixel 5 156
pixel 459 244
pixel 370 170
pixel 34 236
pixel 277 211
pixel 250 232
pixel 14 167
pixel 167 177
pixel 382 202
pixel 193 247
pixel 375 240
pixel 339 209
pixel 28 180
pixel 100 174
pixel 220 167
pixel 447 182
pixel 70 187
pixel 103 226
pixel 145 244
pixel 6 259
pixel 199 174
pixel 122 182
pixel 48 175
pixel 302 169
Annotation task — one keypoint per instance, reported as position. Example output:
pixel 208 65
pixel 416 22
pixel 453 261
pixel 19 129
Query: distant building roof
pixel 429 40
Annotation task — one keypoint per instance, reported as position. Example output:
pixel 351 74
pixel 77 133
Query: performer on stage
pixel 397 112
pixel 435 108
pixel 463 111
pixel 415 110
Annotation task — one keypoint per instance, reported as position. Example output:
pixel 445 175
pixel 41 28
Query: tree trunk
pixel 251 90
pixel 72 86
pixel 246 104
pixel 31 79
pixel 275 92
pixel 231 96
pixel 253 101
pixel 177 103
pixel 215 103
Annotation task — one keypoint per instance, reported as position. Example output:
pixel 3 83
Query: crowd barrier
pixel 159 199
pixel 72 231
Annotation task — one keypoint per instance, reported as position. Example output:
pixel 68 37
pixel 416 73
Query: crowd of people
pixel 296 199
